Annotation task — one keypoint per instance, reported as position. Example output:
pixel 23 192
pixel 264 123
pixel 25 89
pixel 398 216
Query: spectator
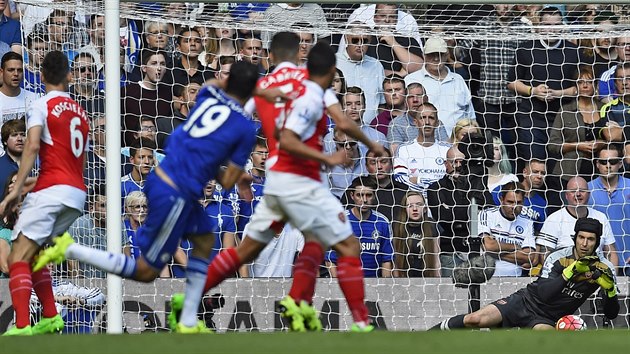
pixel 501 171
pixel 462 128
pixel 184 99
pixel 390 192
pixel 147 130
pixel 610 194
pixel 575 138
pixel 556 232
pixel 394 94
pixel 371 228
pixel 90 230
pixel 188 68
pixel 13 135
pixel 340 177
pixel 84 88
pixel 361 70
pixel 445 89
pixel 403 128
pixel 94 173
pixel 277 258
pixel 258 159
pixel 142 157
pixel 448 203
pixel 397 48
pixel 604 54
pixel 307 40
pixel 420 162
pixel 36 47
pixel 607 84
pixel 535 203
pixel 148 97
pixel 416 249
pixel 507 235
pixel 59 25
pixel 285 15
pixel 544 73
pixel 491 59
pixel 250 49
pixel 157 37
pixel 96 46
pixel 13 99
pixel 222 42
pixel 617 111
pixel 354 108
pixel 6 228
pixel 10 33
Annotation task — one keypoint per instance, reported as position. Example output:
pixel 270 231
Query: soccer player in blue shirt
pixel 373 230
pixel 216 133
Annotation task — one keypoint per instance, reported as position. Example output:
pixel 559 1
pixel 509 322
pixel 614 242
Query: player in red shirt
pixel 57 130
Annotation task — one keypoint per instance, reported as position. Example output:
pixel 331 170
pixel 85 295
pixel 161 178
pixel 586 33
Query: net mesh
pixel 535 84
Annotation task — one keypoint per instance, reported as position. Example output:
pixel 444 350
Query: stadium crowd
pixel 532 131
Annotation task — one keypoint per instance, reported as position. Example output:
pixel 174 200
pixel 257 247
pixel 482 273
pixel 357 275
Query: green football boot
pixel 54 324
pixel 311 318
pixel 14 331
pixel 54 254
pixel 177 304
pixel 361 329
pixel 290 310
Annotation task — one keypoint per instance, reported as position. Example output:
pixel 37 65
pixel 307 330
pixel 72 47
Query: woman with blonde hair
pixel 219 42
pixel 415 240
pixel 462 127
pixel 501 171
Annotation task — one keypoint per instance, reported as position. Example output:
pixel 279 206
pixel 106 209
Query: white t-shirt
pixel 15 107
pixel 424 162
pixel 505 179
pixel 276 260
pixel 519 232
pixel 557 231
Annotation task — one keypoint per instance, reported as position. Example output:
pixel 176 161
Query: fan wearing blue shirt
pixel 258 158
pixel 371 228
pixel 217 133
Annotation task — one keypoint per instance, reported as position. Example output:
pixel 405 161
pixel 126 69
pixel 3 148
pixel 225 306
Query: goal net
pixel 503 123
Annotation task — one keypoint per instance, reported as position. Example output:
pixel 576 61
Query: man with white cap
pixel 446 90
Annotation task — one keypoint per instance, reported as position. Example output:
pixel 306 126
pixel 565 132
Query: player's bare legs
pixel 543 327
pixel 350 277
pixel 487 317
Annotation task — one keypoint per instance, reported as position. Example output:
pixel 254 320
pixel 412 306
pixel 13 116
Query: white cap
pixel 435 45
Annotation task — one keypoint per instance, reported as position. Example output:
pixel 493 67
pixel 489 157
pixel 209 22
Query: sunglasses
pixel 608 161
pixel 83 69
pixel 359 40
pixel 346 144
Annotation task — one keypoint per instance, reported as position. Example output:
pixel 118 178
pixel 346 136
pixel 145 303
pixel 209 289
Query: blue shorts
pixel 171 217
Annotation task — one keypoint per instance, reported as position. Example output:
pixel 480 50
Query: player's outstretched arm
pixel 291 143
pixel 349 127
pixel 230 175
pixel 29 155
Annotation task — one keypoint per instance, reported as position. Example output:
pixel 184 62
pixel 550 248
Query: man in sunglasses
pixel 610 193
pixel 84 88
pixel 556 232
pixel 340 177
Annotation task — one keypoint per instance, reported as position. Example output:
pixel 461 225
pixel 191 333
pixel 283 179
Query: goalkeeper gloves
pixel 581 265
pixel 604 278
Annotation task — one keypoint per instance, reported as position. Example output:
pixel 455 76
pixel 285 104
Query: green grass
pixel 460 342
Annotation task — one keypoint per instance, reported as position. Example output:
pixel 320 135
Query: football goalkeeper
pixel 569 276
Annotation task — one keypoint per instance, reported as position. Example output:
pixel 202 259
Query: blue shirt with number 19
pixel 216 133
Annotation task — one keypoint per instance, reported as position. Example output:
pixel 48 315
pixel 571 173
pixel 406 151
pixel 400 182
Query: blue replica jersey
pixel 216 132
pixel 130 241
pixel 534 207
pixel 128 185
pixel 375 238
pixel 246 209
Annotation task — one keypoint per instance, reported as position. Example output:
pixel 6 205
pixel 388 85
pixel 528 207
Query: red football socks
pixel 223 266
pixel 20 284
pixel 305 272
pixel 350 277
pixel 42 283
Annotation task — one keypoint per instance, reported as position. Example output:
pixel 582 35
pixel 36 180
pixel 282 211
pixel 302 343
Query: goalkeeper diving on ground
pixel 569 276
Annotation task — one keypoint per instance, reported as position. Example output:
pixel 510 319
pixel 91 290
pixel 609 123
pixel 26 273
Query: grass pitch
pixel 463 342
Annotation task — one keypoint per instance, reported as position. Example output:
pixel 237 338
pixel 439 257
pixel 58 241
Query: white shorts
pixel 317 212
pixel 48 212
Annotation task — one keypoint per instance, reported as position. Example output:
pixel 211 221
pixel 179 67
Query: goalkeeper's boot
pixel 200 328
pixel 361 328
pixel 54 254
pixel 54 324
pixel 177 304
pixel 14 331
pixel 290 310
pixel 311 319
